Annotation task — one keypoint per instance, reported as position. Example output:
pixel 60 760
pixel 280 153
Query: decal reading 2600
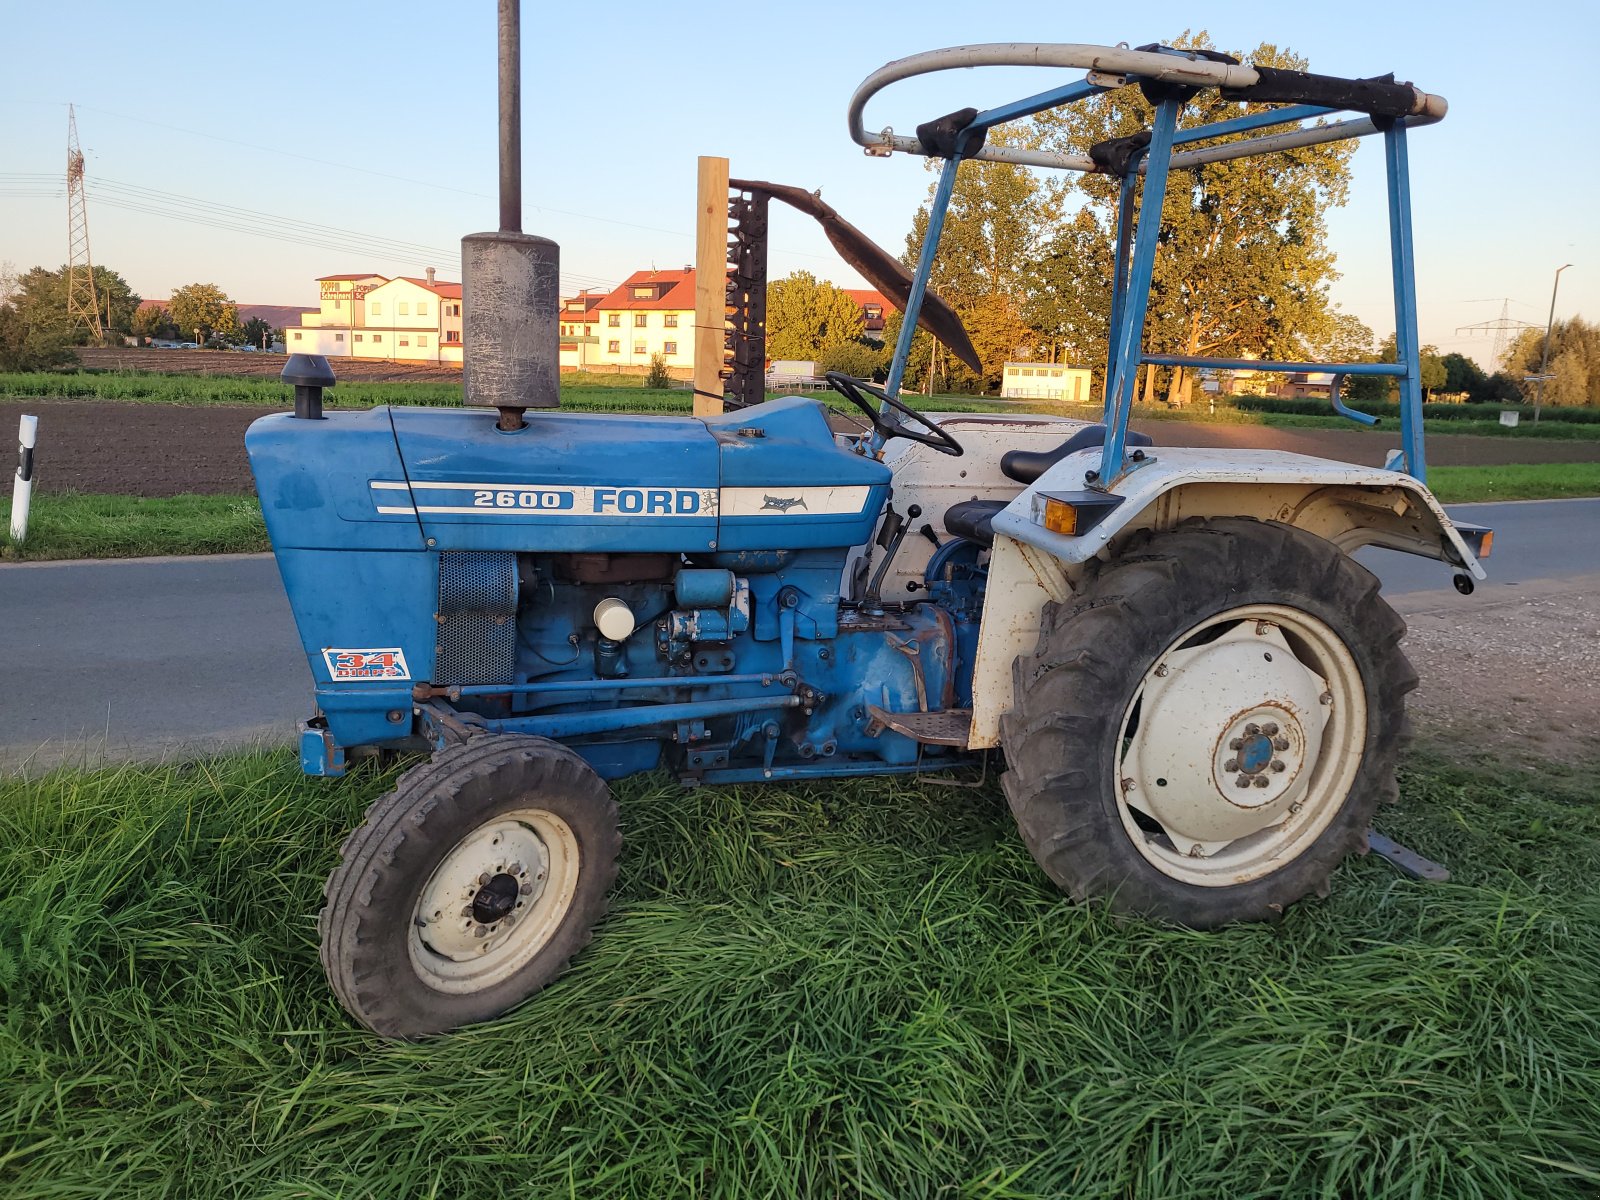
pixel 396 497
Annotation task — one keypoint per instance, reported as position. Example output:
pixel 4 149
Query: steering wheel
pixel 851 388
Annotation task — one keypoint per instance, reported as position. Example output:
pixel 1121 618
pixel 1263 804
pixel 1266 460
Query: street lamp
pixel 1544 359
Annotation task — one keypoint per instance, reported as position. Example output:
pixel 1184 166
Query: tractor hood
pixel 768 477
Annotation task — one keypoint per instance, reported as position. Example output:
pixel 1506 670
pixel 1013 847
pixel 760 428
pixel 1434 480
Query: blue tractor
pixel 1198 694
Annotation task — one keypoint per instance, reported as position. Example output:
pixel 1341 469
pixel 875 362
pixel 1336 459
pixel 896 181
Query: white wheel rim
pixel 1249 736
pixel 495 901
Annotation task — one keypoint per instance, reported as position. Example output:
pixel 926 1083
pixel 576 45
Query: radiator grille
pixel 477 617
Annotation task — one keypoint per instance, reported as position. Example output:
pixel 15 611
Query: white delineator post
pixel 22 487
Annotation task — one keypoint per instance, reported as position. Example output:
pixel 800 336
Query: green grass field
pixel 601 393
pixel 589 392
pixel 861 989
pixel 1538 481
pixel 68 525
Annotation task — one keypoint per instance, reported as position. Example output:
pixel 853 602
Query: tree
pixel 153 321
pixel 1574 361
pixel 1434 373
pixel 995 228
pixel 40 295
pixel 204 309
pixel 1069 293
pixel 256 332
pixel 1340 338
pixel 1461 374
pixel 1243 266
pixel 807 316
pixel 862 359
pixel 25 346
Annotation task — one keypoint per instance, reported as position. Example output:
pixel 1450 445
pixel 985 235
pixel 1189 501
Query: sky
pixel 369 130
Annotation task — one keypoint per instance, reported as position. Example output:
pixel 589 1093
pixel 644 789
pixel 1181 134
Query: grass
pixel 69 525
pixel 596 392
pixel 1517 481
pixel 579 393
pixel 860 989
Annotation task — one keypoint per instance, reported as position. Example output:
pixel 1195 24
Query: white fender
pixel 1349 505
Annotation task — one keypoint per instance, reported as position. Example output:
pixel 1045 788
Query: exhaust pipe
pixel 510 280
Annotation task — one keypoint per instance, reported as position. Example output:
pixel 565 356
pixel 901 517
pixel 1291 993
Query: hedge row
pixel 1433 412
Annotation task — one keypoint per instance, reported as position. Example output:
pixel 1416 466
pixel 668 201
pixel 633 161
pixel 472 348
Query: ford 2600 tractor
pixel 1198 695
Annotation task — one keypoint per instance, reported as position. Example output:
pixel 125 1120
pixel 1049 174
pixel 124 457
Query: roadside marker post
pixel 22 486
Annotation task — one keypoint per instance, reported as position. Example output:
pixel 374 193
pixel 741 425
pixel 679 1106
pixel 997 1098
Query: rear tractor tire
pixel 1206 729
pixel 470 886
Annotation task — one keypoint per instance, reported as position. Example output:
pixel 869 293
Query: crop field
pixel 861 989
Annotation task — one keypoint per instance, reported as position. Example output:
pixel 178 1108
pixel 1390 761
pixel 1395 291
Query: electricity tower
pixel 83 302
pixel 1502 327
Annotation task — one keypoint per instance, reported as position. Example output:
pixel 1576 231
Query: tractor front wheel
pixel 1206 729
pixel 470 886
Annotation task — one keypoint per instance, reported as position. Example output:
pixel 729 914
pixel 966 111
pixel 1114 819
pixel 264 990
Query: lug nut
pixel 1296 807
pixel 483 879
pixel 1277 764
pixel 479 931
pixel 1252 730
pixel 1231 765
pixel 1242 781
pixel 1270 729
pixel 1280 743
pixel 1326 697
pixel 1261 781
pixel 525 890
pixel 1161 671
pixel 1236 744
pixel 515 868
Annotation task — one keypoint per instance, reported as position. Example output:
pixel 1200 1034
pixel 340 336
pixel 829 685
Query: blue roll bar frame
pixel 1137 238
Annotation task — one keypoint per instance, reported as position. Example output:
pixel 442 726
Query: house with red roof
pixel 650 312
pixel 407 319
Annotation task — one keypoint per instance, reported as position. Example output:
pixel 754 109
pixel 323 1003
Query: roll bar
pixel 1169 77
pixel 1115 66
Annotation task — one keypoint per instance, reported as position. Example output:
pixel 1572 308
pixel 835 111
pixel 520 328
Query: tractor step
pixel 947 727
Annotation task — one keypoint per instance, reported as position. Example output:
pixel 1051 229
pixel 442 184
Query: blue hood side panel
pixel 787 484
pixel 573 482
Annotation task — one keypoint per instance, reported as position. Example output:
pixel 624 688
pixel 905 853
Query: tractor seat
pixel 1025 466
pixel 973 520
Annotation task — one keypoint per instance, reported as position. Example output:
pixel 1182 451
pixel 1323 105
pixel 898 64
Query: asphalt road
pixel 151 658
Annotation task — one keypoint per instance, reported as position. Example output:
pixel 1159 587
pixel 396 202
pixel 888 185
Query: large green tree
pixel 1243 264
pixel 1574 362
pixel 204 309
pixel 40 296
pixel 807 316
pixel 996 227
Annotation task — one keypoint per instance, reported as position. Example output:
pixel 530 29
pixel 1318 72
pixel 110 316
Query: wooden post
pixel 710 284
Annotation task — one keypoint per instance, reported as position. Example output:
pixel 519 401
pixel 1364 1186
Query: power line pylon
pixel 83 301
pixel 1502 326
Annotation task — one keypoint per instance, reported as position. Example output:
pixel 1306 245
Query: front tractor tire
pixel 470 886
pixel 1206 729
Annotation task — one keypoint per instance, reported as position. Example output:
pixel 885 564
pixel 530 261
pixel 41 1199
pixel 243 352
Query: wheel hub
pixel 471 907
pixel 1228 734
pixel 495 899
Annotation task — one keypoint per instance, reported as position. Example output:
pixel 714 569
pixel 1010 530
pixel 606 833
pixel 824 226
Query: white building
pixel 1047 381
pixel 371 316
pixel 649 313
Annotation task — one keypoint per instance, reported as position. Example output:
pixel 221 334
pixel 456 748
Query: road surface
pixel 152 658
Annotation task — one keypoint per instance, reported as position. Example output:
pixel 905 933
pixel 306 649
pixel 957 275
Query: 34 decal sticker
pixel 384 662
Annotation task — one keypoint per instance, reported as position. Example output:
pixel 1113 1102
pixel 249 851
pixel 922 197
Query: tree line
pixel 1243 269
pixel 36 333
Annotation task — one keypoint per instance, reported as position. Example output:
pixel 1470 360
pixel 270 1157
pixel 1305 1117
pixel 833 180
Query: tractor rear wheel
pixel 1207 727
pixel 470 886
